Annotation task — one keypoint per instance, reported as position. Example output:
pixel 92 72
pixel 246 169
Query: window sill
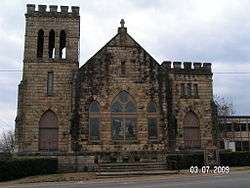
pixel 95 142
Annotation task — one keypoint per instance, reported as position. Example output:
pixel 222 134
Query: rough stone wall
pixel 33 98
pixel 201 105
pixel 101 80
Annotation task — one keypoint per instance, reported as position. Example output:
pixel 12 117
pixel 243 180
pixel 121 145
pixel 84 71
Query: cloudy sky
pixel 216 31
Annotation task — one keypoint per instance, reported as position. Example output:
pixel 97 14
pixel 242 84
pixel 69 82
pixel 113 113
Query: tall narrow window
pixel 189 89
pixel 123 68
pixel 152 121
pixel 52 44
pixel 94 121
pixel 62 47
pixel 196 94
pixel 50 83
pixel 183 90
pixel 40 40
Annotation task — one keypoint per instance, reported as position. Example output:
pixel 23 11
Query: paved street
pixel 235 180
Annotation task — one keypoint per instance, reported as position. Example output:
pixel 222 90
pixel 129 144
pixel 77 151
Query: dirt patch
pixel 81 176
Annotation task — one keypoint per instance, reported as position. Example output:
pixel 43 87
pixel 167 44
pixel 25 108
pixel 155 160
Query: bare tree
pixel 224 107
pixel 7 142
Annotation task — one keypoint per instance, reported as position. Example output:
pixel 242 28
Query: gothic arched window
pixel 48 132
pixel 94 121
pixel 40 41
pixel 62 46
pixel 191 130
pixel 152 121
pixel 123 111
pixel 52 44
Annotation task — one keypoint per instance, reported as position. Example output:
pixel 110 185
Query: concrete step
pixel 130 167
pixel 135 173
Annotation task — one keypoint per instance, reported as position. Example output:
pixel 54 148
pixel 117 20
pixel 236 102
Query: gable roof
pixel 121 39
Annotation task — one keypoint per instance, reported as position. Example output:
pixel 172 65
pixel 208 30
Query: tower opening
pixel 40 40
pixel 52 44
pixel 62 47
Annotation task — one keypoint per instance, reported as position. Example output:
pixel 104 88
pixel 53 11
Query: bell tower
pixel 50 64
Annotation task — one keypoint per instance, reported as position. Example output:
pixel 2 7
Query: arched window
pixel 48 132
pixel 40 40
pixel 152 121
pixel 191 130
pixel 52 44
pixel 94 121
pixel 62 47
pixel 123 111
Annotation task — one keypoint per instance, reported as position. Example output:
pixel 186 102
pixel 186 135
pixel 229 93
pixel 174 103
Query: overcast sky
pixel 216 31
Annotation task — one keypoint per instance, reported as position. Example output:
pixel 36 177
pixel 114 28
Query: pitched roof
pixel 121 39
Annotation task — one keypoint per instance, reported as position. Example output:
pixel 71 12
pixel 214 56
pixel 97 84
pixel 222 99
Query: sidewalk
pixel 108 176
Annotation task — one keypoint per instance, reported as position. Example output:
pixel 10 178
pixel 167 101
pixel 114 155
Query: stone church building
pixel 119 106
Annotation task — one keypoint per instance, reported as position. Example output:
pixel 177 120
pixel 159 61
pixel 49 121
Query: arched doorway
pixel 48 132
pixel 191 130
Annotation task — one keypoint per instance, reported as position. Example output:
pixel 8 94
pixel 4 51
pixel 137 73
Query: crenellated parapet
pixel 51 10
pixel 187 67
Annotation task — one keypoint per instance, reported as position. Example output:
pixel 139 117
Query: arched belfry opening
pixel 62 46
pixel 191 129
pixel 40 41
pixel 48 132
pixel 52 44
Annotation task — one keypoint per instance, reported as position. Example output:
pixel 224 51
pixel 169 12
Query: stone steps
pixel 131 167
pixel 135 173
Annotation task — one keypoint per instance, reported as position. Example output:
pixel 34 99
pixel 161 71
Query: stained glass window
pixel 116 107
pixel 117 129
pixel 151 107
pixel 94 121
pixel 152 121
pixel 130 107
pixel 123 110
pixel 94 128
pixel 130 129
pixel 152 128
pixel 94 107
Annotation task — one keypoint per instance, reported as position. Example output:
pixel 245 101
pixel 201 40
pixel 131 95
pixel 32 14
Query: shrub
pixel 185 161
pixel 235 159
pixel 22 167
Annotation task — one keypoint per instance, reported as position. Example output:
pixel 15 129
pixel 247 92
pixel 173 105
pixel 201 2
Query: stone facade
pixel 33 100
pixel 163 103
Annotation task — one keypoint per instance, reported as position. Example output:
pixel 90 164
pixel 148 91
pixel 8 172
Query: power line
pixel 220 72
pixel 10 70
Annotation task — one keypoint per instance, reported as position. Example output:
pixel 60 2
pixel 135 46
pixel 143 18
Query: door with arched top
pixel 191 131
pixel 48 132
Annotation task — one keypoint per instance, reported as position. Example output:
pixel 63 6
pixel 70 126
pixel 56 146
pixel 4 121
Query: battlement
pixel 52 10
pixel 187 67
